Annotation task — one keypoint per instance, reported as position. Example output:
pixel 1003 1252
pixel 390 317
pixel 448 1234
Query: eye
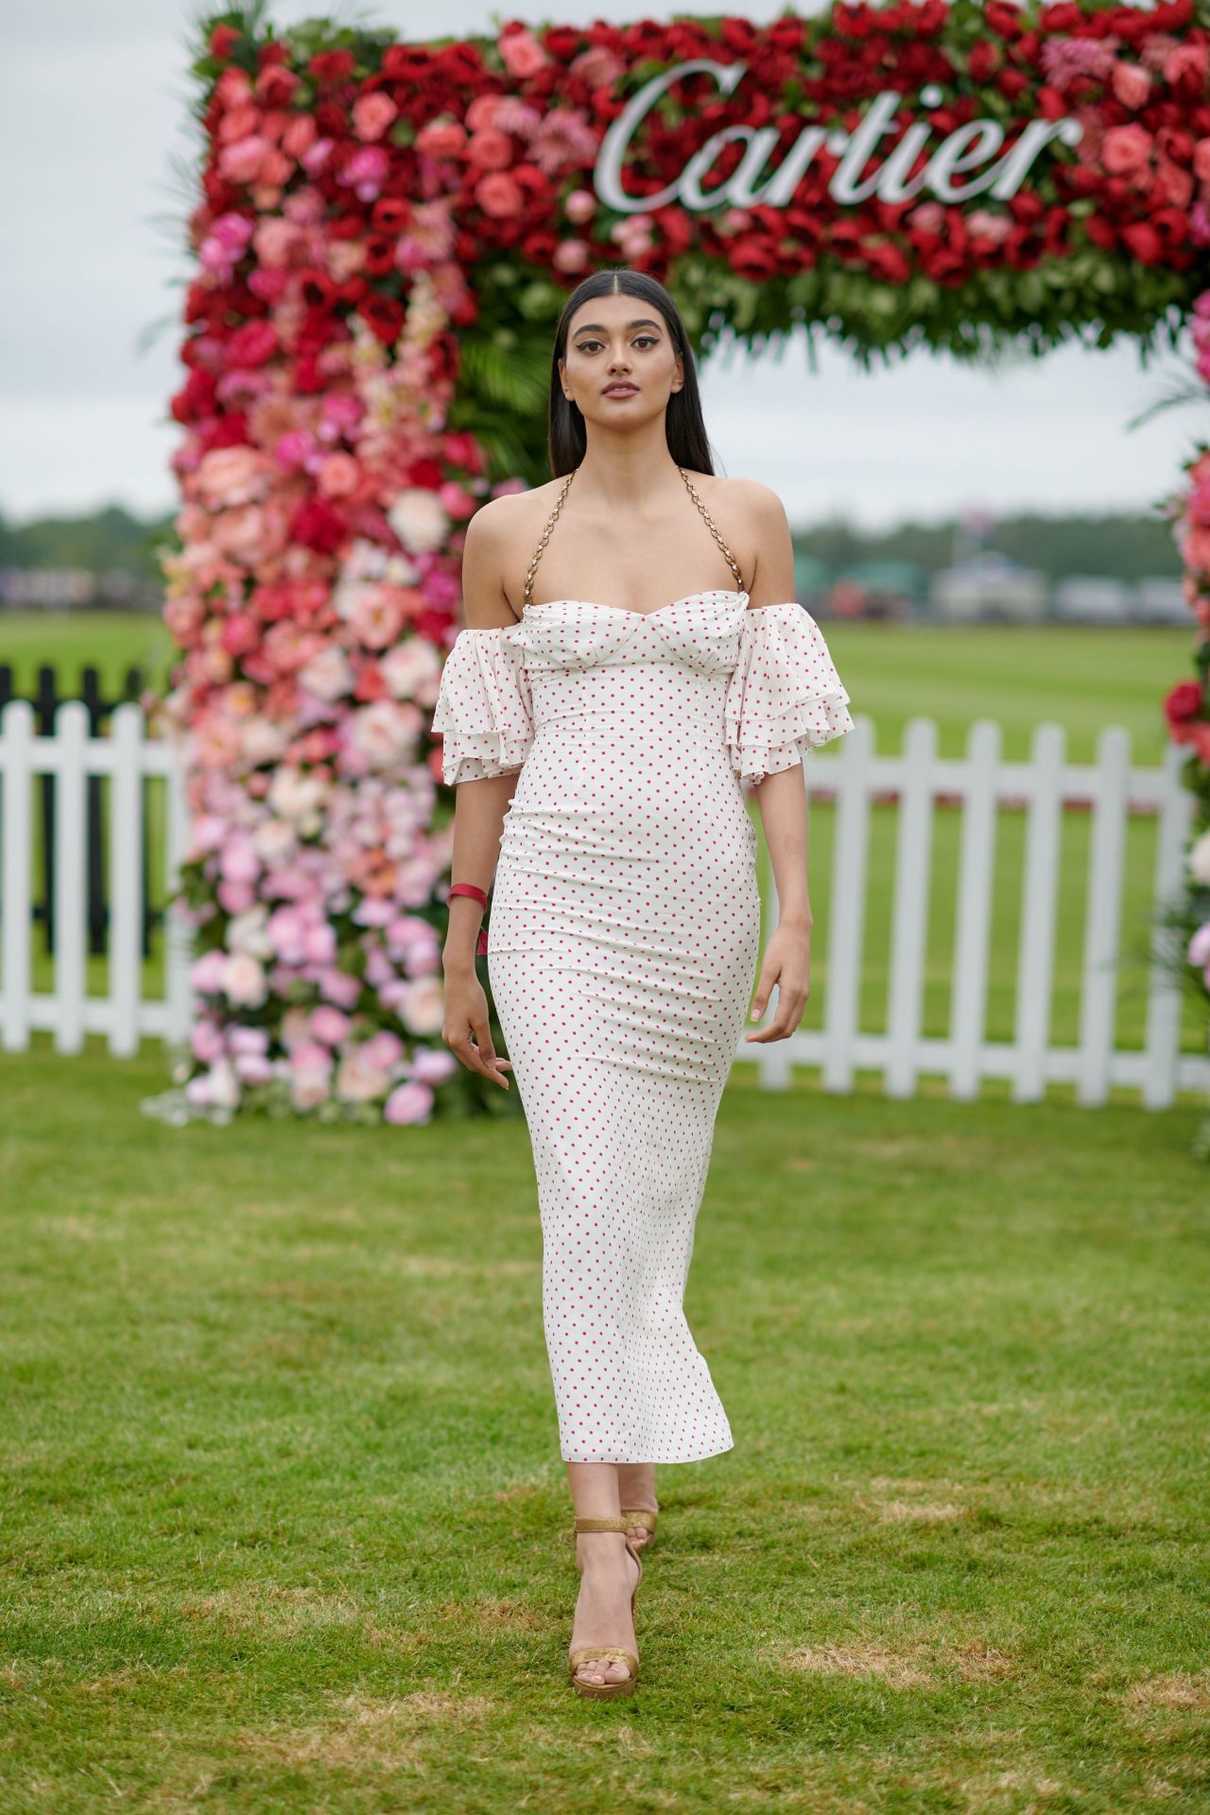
pixel 648 339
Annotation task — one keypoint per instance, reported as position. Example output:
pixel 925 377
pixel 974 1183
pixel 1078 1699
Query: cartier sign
pixel 973 146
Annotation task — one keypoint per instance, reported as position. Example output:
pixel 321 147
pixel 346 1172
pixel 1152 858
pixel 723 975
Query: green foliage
pixel 1122 545
pixel 96 540
pixel 501 398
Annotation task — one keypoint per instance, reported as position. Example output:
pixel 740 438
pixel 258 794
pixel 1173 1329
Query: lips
pixel 620 390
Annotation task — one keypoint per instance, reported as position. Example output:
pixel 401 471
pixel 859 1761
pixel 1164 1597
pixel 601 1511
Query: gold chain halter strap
pixel 727 555
pixel 528 594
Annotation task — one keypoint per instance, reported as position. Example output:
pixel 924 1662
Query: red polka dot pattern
pixel 623 940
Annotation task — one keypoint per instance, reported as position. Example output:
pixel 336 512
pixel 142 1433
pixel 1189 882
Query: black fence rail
pixel 48 695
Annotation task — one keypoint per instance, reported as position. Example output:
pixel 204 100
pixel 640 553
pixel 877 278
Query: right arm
pixel 479 811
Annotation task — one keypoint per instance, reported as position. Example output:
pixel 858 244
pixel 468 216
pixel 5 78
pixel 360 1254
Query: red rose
pixel 223 40
pixel 332 65
pixel 252 345
pixel 985 60
pixel 1143 241
pixel 1101 232
pixel 886 260
pixel 316 525
pixel 383 315
pixel 1182 704
pixel 1004 20
pixel 752 257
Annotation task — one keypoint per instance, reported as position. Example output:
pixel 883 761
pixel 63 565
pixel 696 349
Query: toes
pixel 609 1670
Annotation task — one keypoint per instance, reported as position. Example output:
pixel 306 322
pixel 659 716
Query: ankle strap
pixel 601 1525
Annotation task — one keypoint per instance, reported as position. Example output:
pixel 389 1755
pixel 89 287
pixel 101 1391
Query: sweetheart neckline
pixel 630 611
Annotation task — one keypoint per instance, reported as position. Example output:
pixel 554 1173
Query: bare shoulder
pixel 765 536
pixel 759 504
pixel 502 534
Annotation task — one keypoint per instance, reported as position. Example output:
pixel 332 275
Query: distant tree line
pixel 1118 545
pixel 1123 545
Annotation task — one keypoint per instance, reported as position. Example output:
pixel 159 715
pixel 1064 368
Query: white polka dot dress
pixel 622 945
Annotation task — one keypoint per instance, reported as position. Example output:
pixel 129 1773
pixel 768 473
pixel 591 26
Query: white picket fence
pixel 123 1014
pixel 982 781
pixel 855 777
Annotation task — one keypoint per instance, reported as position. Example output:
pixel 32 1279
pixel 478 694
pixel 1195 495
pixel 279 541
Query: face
pixel 619 341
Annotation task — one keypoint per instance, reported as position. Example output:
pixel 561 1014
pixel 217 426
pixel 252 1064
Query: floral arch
pixel 384 237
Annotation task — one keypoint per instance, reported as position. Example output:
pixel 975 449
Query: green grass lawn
pixel 285 1525
pixel 1083 679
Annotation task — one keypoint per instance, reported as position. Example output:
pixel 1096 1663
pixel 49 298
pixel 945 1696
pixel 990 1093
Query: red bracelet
pixel 480 895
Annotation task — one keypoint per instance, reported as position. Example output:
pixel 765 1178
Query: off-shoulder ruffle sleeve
pixel 785 694
pixel 484 711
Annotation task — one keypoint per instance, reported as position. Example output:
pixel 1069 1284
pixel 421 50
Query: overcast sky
pixel 95 124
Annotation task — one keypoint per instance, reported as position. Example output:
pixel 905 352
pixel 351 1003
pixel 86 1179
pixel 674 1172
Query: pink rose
pixel 339 475
pixel 490 150
pixel 384 1048
pixel 249 535
pixel 441 139
pixel 580 206
pixel 359 1080
pixel 1126 149
pixel 339 987
pixel 521 54
pixel 1131 84
pixel 598 66
pixel 498 195
pixel 433 1065
pixel 929 217
pixel 228 476
pixel 317 156
pixel 571 255
pixel 300 134
pixel 206 1039
pixel 375 615
pixel 422 1006
pixel 329 1026
pixel 408 1104
pixel 243 161
pixel 244 981
pixel 249 1039
pixel 372 114
pixel 1186 65
pixel 1175 184
pixel 366 171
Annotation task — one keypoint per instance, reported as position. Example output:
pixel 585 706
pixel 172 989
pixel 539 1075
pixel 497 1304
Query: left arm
pixel 782 800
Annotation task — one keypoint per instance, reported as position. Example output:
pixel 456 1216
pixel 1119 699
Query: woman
pixel 622 677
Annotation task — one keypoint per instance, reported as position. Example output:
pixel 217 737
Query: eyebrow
pixel 643 321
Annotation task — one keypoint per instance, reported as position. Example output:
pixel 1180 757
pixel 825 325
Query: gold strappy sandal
pixel 646 1517
pixel 583 1654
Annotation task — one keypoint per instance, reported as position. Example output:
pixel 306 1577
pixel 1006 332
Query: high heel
pixel 583 1654
pixel 646 1517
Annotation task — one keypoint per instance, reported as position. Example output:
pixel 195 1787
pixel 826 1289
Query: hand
pixel 467 1032
pixel 787 962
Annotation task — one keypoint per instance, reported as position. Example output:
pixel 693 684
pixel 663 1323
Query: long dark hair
pixel 566 436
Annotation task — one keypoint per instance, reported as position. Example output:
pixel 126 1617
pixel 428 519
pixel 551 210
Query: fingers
pixel 791 1001
pixel 488 1063
pixel 478 1053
